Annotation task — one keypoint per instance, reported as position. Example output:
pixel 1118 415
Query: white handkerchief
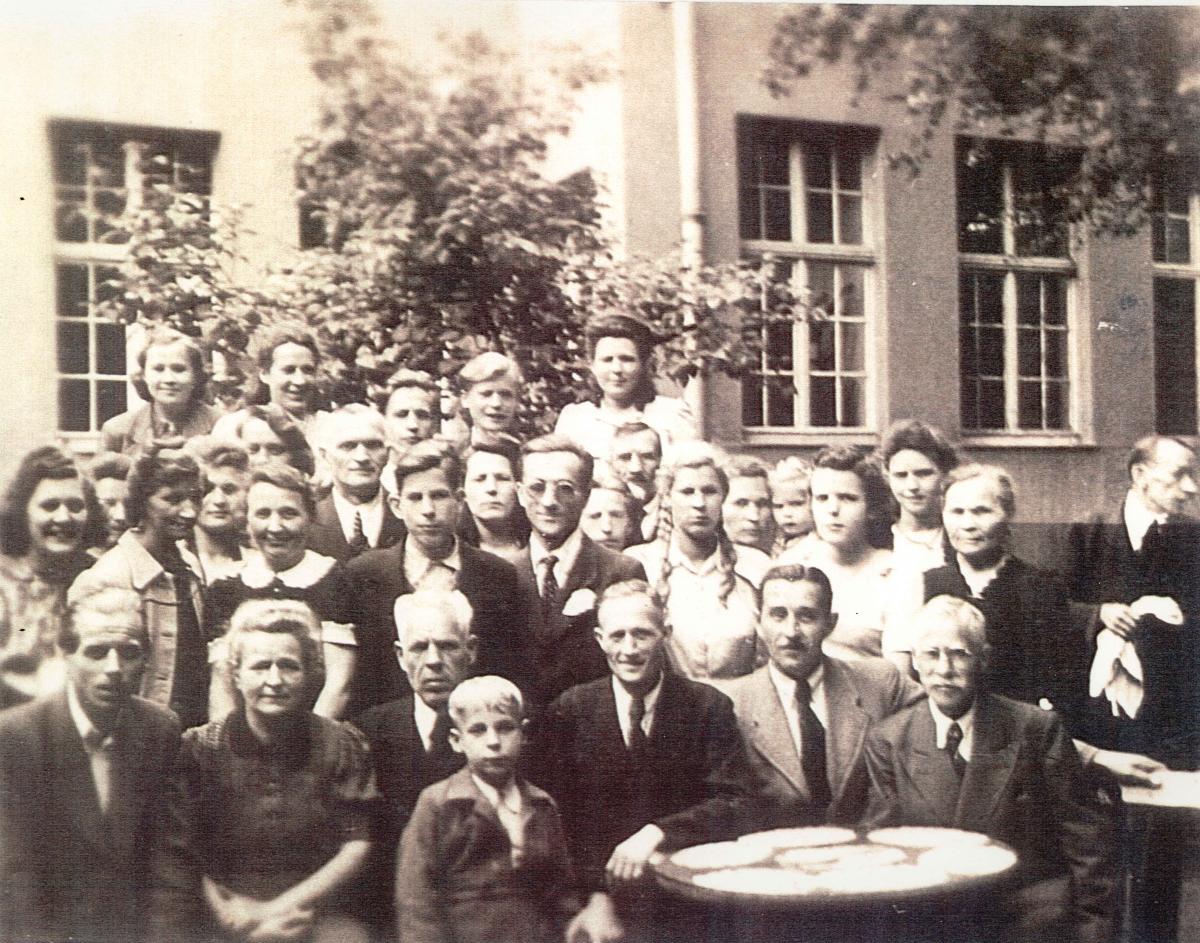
pixel 579 602
pixel 1163 608
pixel 1117 673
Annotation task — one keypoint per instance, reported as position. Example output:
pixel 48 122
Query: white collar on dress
pixel 311 568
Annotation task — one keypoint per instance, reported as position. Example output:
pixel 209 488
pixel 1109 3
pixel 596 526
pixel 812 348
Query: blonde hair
pixel 692 455
pixel 486 691
pixel 448 602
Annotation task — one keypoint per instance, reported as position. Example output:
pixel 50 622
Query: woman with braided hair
pixel 711 607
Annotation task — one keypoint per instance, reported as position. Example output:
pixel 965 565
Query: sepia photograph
pixel 599 471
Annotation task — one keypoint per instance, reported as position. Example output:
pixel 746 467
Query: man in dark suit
pixel 355 516
pixel 82 773
pixel 805 716
pixel 639 761
pixel 427 499
pixel 563 569
pixel 972 760
pixel 1140 571
pixel 408 736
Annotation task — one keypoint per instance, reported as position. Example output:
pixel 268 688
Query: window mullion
pixel 799 196
pixel 1012 414
pixel 800 363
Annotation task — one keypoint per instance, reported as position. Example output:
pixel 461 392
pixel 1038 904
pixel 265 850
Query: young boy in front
pixel 483 858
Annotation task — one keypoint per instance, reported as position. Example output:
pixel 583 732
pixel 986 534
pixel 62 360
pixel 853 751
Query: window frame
pixel 1009 265
pixel 95 255
pixel 865 255
pixel 1181 271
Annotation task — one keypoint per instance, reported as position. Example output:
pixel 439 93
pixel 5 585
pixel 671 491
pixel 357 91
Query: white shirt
pixel 966 724
pixel 417 566
pixel 785 687
pixel 1138 519
pixel 566 555
pixel 916 554
pixel 624 700
pixel 510 809
pixel 710 637
pixel 98 747
pixel 371 511
pixel 425 718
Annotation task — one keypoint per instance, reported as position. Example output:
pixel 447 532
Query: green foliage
pixel 1120 83
pixel 443 234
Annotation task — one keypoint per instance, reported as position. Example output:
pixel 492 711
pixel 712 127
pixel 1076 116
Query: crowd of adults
pixel 435 683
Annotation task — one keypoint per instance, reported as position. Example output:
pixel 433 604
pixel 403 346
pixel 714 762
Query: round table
pixel 832 883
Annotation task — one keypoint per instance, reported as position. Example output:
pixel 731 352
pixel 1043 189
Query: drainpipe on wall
pixel 687 124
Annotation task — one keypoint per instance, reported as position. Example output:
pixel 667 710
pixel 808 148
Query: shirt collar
pixel 1138 519
pixel 676 558
pixel 785 686
pixel 624 698
pixel 966 724
pixel 417 563
pixel 144 567
pixel 425 718
pixel 510 798
pixel 371 511
pixel 88 731
pixel 567 554
pixel 311 568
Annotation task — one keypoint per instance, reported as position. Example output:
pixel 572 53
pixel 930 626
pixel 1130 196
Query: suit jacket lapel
pixel 609 740
pixel 929 769
pixel 993 758
pixel 583 573
pixel 769 733
pixel 71 773
pixel 846 726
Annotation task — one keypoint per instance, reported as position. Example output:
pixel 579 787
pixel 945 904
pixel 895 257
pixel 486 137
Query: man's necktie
pixel 549 589
pixel 99 750
pixel 439 737
pixel 954 738
pixel 358 540
pixel 812 748
pixel 637 713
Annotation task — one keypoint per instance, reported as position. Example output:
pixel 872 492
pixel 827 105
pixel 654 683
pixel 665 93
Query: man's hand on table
pixel 1130 769
pixel 629 858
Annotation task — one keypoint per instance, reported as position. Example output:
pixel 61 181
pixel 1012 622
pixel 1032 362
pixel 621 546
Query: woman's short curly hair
pixel 47 463
pixel 287 478
pixel 876 493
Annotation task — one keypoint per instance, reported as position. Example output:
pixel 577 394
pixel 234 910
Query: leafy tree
pixel 1121 84
pixel 441 233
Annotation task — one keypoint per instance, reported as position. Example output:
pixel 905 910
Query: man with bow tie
pixel 969 759
pixel 82 775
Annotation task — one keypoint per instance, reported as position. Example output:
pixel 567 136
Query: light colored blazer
pixel 857 695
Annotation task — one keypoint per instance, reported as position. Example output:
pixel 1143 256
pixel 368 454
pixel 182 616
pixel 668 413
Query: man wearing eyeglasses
pixel 972 760
pixel 563 568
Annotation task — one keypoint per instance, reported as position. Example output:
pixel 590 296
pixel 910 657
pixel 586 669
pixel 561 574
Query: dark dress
pixel 1038 652
pixel 317 580
pixel 258 819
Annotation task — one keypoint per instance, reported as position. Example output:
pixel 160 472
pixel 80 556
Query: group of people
pixel 275 672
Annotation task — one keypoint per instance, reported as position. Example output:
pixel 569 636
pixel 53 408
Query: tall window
pixel 1016 288
pixel 1175 234
pixel 99 171
pixel 804 198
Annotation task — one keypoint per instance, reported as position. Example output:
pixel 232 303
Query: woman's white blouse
pixel 709 638
pixel 591 426
pixel 860 596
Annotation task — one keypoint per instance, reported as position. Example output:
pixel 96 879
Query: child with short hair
pixel 790 501
pixel 483 858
